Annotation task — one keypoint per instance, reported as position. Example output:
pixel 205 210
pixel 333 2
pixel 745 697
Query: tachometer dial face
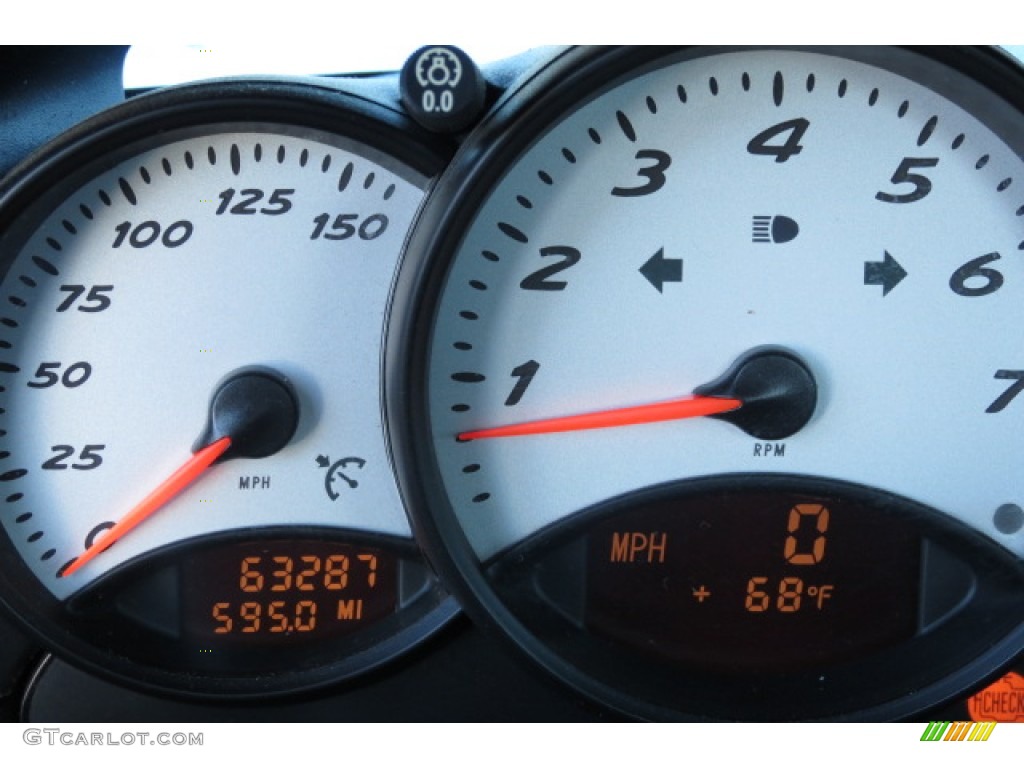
pixel 195 289
pixel 721 345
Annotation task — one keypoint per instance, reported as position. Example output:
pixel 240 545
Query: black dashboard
pixel 597 383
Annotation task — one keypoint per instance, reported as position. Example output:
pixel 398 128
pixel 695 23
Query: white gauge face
pixel 855 218
pixel 212 251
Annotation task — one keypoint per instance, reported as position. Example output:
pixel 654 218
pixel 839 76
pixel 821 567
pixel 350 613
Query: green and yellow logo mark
pixel 958 731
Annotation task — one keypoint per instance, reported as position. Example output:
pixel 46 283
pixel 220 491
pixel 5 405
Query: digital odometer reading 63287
pixel 282 591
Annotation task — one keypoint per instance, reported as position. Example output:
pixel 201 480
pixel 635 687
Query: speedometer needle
pixel 681 408
pixel 181 479
pixel 253 413
pixel 768 392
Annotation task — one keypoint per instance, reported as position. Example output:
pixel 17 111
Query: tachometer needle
pixel 181 479
pixel 768 392
pixel 669 410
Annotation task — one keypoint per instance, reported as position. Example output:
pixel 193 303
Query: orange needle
pixel 181 479
pixel 682 408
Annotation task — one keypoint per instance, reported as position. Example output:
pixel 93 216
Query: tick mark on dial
pixel 368 181
pixel 903 109
pixel 594 135
pixel 45 265
pixel 211 155
pixel 236 160
pixel 190 162
pixel 478 285
pixel 545 177
pixel 280 154
pixel 463 346
pixel 982 162
pixel 54 244
pixel 346 177
pixel 14 497
pixel 873 97
pixel 489 255
pixel 681 93
pixel 652 105
pixel 471 468
pixel 778 89
pixel 568 155
pixel 513 232
pixel 927 130
pixel 23 518
pixel 105 198
pixel 166 165
pixel 467 315
pixel 713 86
pixel 524 201
pixel 625 126
pixel 9 368
pixel 126 190
pixel 745 81
pixel 1004 184
pixel 69 227
pixel 48 554
pixel 460 408
pixel 958 141
pixel 389 191
pixel 35 537
pixel 257 152
pixel 28 281
pixel 481 497
pixel 810 83
pixel 17 301
pixel 326 164
pixel 468 377
pixel 144 175
pixel 303 158
pixel 86 211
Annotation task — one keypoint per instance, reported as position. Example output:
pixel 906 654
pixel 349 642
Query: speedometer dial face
pixel 722 379
pixel 193 447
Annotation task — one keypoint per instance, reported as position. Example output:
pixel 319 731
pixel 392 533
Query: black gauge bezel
pixel 356 111
pixel 569 80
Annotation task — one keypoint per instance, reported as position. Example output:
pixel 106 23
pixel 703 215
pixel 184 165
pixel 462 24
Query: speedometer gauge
pixel 715 383
pixel 196 492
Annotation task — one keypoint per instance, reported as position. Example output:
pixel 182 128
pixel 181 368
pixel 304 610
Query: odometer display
pixel 284 591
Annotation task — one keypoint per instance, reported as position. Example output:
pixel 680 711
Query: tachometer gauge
pixel 709 392
pixel 195 490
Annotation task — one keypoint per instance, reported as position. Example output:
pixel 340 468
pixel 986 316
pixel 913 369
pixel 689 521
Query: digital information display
pixel 280 591
pixel 754 578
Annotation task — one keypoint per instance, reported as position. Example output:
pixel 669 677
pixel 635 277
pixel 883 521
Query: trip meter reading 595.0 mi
pixel 194 457
pixel 720 377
